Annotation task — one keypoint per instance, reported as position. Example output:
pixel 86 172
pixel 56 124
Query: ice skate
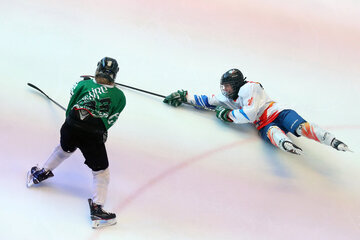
pixel 37 175
pixel 339 145
pixel 292 148
pixel 99 217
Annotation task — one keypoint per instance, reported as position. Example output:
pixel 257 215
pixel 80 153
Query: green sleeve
pixel 75 92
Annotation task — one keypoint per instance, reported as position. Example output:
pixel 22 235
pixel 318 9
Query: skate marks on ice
pixel 173 170
pixel 286 167
pixel 314 158
pixel 271 154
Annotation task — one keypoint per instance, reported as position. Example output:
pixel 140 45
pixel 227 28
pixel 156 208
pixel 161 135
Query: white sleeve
pixel 251 102
pixel 208 101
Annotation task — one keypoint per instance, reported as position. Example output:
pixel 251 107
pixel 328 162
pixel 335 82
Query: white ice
pixel 180 173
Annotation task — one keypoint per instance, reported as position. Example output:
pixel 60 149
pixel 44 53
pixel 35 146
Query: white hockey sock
pixel 101 181
pixel 56 158
pixel 277 137
pixel 312 131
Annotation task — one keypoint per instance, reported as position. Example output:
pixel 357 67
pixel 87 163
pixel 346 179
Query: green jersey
pixel 101 101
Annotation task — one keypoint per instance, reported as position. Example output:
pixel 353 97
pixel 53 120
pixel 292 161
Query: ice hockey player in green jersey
pixel 94 107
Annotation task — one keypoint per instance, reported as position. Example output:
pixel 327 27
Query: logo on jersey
pixel 250 101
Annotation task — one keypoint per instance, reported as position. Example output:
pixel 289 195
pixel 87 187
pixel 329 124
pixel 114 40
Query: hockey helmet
pixel 233 78
pixel 107 68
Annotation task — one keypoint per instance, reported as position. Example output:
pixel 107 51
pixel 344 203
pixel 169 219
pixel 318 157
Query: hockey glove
pixel 222 113
pixel 176 98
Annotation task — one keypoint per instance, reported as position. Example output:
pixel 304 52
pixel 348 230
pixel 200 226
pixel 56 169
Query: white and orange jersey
pixel 252 106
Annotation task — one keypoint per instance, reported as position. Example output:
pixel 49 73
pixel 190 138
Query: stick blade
pixel 32 85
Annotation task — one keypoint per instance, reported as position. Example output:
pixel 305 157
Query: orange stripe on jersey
pixel 265 119
pixel 308 131
pixel 253 82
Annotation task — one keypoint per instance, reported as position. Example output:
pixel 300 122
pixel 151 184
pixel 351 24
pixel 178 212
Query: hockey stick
pixel 151 93
pixel 35 87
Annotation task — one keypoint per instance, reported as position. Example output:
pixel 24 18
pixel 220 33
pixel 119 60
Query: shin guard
pixel 314 132
pixel 277 136
pixel 101 181
pixel 279 139
pixel 56 158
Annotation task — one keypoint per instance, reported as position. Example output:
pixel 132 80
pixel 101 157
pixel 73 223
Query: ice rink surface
pixel 182 173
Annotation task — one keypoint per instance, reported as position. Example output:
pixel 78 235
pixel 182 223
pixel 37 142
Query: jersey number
pixel 103 107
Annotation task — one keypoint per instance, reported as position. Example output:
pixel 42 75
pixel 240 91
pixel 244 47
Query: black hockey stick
pixel 35 87
pixel 141 90
pixel 151 93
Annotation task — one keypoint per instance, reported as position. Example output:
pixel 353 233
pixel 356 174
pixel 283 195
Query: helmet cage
pixel 233 78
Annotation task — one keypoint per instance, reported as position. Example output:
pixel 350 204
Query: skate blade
pixel 346 149
pixel 296 152
pixel 103 223
pixel 29 179
pixel 299 153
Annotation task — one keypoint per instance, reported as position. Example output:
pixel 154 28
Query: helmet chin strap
pixel 235 97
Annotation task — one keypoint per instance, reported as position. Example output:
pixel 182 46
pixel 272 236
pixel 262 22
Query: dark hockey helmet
pixel 107 68
pixel 233 78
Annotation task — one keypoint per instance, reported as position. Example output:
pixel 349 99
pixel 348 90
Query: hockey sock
pixel 314 132
pixel 101 181
pixel 56 158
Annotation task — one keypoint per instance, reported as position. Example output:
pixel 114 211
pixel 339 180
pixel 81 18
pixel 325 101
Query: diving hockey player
pixel 244 101
pixel 94 107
